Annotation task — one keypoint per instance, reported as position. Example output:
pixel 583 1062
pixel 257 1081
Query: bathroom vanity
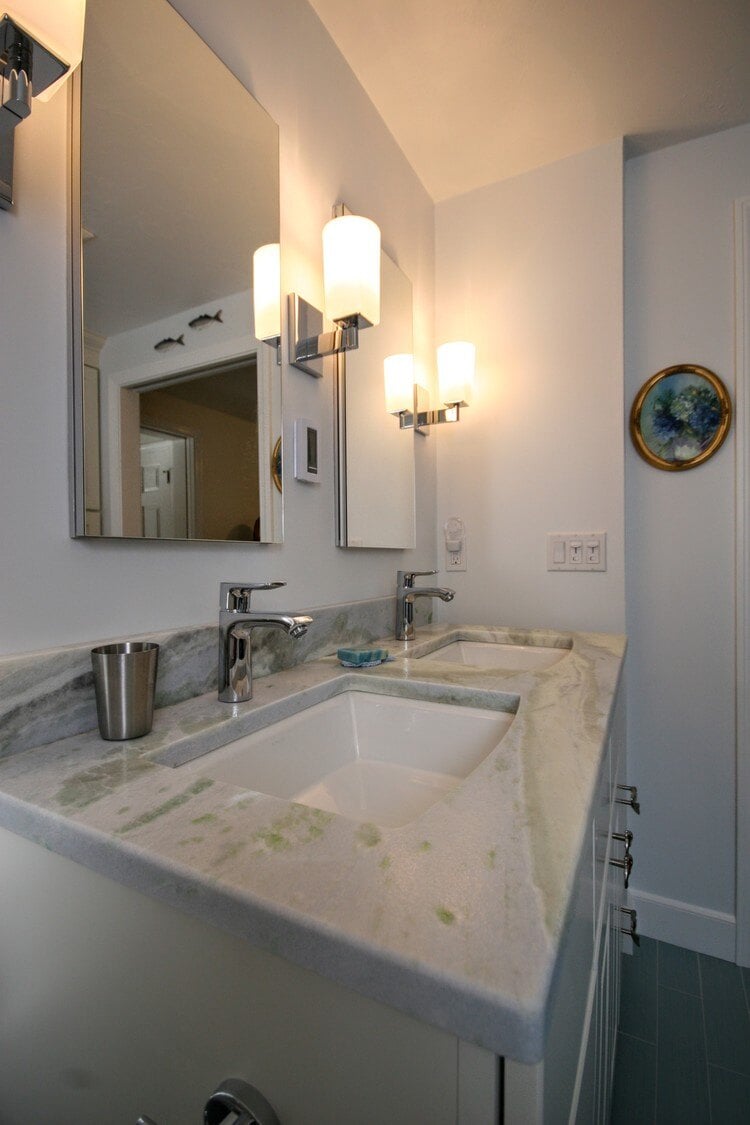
pixel 174 924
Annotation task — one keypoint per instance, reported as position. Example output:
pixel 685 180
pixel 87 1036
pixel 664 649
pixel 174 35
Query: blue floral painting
pixel 681 416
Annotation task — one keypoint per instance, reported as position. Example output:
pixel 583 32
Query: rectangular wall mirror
pixel 375 458
pixel 176 407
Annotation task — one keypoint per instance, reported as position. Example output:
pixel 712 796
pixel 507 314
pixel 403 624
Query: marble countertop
pixel 455 918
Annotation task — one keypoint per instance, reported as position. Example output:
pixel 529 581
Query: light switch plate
pixel 583 550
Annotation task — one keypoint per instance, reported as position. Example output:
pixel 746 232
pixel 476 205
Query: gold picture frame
pixel 680 417
pixel 276 464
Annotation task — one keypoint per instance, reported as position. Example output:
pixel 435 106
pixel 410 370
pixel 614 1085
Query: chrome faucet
pixel 236 622
pixel 406 592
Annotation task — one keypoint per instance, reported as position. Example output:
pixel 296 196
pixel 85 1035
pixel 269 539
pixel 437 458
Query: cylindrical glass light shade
pixel 398 372
pixel 456 371
pixel 351 269
pixel 57 25
pixel 267 291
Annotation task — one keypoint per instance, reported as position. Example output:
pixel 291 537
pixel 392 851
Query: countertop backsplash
pixel 48 695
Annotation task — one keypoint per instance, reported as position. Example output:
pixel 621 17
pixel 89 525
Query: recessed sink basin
pixel 374 758
pixel 495 654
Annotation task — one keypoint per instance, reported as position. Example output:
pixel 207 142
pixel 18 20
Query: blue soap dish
pixel 362 657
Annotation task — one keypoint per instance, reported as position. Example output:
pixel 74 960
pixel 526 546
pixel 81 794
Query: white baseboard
pixel 681 923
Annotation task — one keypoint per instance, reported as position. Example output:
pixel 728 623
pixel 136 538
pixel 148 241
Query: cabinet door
pixel 616 895
pixel 115 1005
pixel 584 1107
pixel 603 1025
pixel 583 1111
pixel 597 1056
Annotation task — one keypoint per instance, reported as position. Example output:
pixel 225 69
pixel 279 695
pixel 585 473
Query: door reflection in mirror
pixel 189 437
pixel 164 491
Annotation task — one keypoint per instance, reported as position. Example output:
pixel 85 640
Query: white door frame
pixel 742 446
pixel 269 429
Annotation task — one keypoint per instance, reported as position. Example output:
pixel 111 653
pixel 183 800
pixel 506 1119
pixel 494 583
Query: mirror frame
pixel 76 481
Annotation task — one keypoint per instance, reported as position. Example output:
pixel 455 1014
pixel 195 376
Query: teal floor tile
pixel 682 1074
pixel 634 1094
pixel 727 1017
pixel 730 1097
pixel 638 999
pixel 678 968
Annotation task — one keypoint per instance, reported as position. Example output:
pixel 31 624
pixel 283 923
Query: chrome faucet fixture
pixel 406 592
pixel 236 622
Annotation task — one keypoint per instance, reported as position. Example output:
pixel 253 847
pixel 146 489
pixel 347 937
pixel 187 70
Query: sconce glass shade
pixel 267 291
pixel 456 362
pixel 398 372
pixel 351 270
pixel 56 25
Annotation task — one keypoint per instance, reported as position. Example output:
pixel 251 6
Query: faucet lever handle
pixel 406 577
pixel 235 596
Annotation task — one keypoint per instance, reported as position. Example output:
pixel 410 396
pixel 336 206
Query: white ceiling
pixel 475 91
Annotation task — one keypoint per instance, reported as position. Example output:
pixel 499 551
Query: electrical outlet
pixel 585 551
pixel 455 560
pixel 455 543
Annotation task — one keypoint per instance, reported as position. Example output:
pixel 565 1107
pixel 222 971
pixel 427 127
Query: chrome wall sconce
pixel 351 283
pixel 41 43
pixel 408 401
pixel 266 294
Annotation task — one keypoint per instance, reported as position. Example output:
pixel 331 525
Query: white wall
pixel 333 146
pixel 531 270
pixel 680 547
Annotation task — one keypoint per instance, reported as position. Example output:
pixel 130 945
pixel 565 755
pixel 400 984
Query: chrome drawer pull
pixel 625 838
pixel 626 863
pixel 632 800
pixel 632 930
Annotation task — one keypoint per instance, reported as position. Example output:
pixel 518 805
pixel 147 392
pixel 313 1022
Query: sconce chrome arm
pixel 310 342
pixel 421 418
pixel 26 68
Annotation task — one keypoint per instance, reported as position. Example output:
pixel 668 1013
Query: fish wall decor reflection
pixel 168 343
pixel 204 320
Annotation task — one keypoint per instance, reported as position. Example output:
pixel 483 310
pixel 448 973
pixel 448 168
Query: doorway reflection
pixel 190 456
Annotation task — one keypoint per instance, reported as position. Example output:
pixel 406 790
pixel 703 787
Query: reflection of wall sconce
pixel 456 362
pixel 407 400
pixel 351 283
pixel 398 371
pixel 41 42
pixel 267 295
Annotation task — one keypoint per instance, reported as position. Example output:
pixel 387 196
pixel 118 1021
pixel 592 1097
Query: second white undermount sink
pixel 497 654
pixel 375 758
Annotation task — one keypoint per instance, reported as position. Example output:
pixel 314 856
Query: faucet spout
pixel 443 592
pixel 236 624
pixel 293 625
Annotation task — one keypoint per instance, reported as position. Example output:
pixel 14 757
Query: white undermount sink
pixel 375 758
pixel 497 654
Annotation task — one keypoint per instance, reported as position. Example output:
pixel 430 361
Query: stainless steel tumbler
pixel 124 679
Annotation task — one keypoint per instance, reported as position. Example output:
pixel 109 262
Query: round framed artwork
pixel 680 417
